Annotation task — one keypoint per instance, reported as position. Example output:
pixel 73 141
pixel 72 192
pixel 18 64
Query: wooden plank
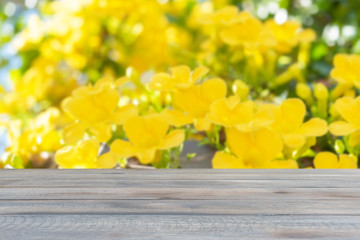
pixel 168 172
pixel 179 204
pixel 139 183
pixel 39 226
pixel 149 193
pixel 195 173
pixel 178 207
pixel 190 174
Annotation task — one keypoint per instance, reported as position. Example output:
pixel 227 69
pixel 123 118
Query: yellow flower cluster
pixel 266 135
pixel 95 108
pixel 235 37
pixel 106 81
pixel 33 141
pixel 147 135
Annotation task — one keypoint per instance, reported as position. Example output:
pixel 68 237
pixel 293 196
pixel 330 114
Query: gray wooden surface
pixel 179 204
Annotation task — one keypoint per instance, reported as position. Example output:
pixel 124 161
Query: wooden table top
pixel 179 204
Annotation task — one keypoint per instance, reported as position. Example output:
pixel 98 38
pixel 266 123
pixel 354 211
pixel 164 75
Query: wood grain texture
pixel 179 204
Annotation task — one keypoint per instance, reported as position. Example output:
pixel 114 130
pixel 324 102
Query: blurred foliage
pixel 335 22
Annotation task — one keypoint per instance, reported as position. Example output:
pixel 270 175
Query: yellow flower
pixel 330 160
pixel 254 149
pixel 285 34
pixel 147 134
pixel 346 70
pixel 223 16
pixel 247 31
pixel 95 108
pixel 289 117
pixel 194 103
pixel 180 78
pixel 231 112
pixel 85 155
pixel 349 109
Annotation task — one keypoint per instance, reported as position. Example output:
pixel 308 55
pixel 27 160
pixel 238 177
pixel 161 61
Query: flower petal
pixel 122 114
pixel 66 157
pixel 74 132
pixel 177 118
pixel 347 108
pixel 293 112
pixel 226 112
pixel 202 124
pixel 341 128
pixel 283 164
pixel 156 125
pixel 83 155
pixel 347 161
pixel 315 127
pixel 88 151
pixel 213 89
pixel 184 100
pixel 102 131
pixel 161 82
pixel 226 161
pixel 122 148
pixel 146 131
pixel 173 139
pixel 354 139
pixel 136 131
pixel 146 156
pixel 244 127
pixel 77 108
pixel 263 117
pixel 199 73
pixel 106 99
pixel 120 81
pixel 295 141
pixel 181 75
pixel 326 160
pixel 255 148
pixel 341 63
pixel 107 160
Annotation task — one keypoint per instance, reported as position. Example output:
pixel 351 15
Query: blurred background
pixel 335 22
pixel 48 48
